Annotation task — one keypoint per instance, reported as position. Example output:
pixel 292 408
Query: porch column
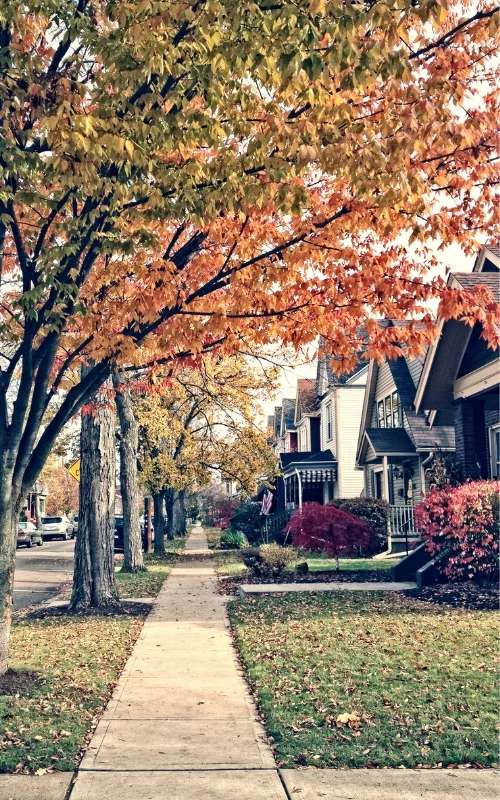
pixel 385 478
pixel 299 484
pixel 422 477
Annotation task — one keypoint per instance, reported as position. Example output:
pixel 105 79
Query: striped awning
pixel 314 474
pixel 317 475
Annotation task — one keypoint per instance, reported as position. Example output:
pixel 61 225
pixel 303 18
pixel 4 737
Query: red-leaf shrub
pixel 328 529
pixel 224 510
pixel 460 526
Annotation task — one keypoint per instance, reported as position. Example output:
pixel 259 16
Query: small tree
pixel 328 529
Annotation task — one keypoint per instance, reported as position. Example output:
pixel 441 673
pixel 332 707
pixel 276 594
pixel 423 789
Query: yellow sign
pixel 74 470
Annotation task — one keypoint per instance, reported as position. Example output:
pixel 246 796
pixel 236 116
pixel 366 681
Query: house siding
pixel 477 353
pixel 385 386
pixel 415 368
pixel 326 443
pixel 348 408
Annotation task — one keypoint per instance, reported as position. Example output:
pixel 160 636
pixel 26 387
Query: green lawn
pixel 78 660
pixel 353 680
pixel 148 583
pixel 318 564
pixel 231 564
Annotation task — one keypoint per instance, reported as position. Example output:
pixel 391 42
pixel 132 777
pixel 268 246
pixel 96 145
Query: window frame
pixel 329 421
pixel 380 417
pixel 396 410
pixel 494 445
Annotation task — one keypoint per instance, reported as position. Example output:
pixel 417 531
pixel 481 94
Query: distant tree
pixel 62 489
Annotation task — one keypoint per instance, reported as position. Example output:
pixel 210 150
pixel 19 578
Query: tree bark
pixel 94 577
pixel 169 495
pixel 133 560
pixel 179 513
pixel 8 517
pixel 159 523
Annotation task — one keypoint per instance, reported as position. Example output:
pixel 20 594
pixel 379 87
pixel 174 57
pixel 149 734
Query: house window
pixel 329 422
pixel 494 436
pixel 396 417
pixel 389 412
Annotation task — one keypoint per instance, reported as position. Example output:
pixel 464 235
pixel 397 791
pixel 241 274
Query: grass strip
pixel 371 680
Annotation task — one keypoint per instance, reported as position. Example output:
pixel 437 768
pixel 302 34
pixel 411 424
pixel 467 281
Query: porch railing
pixel 274 524
pixel 402 522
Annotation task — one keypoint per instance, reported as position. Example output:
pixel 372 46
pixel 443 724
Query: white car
pixel 56 527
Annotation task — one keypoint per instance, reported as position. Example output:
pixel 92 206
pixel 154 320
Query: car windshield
pixel 23 526
pixel 51 519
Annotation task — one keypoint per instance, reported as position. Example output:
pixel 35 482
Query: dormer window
pixel 389 412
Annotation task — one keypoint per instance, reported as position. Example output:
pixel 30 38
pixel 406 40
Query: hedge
pixel 374 512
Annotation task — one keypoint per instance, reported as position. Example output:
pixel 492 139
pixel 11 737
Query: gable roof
pixel 277 421
pixel 385 441
pixel 326 363
pixel 287 415
pixel 469 280
pixel 306 402
pixel 444 356
pixel 404 370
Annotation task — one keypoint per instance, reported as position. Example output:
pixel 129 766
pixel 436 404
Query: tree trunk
pixel 169 495
pixel 180 526
pixel 133 560
pixel 94 577
pixel 159 523
pixel 8 518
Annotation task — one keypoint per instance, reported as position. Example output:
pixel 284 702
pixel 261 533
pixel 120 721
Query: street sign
pixel 74 469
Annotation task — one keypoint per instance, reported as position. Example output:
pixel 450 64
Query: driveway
pixel 41 570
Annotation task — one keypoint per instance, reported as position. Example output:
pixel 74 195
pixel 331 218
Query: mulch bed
pixel 127 609
pixel 15 682
pixel 471 596
pixel 231 584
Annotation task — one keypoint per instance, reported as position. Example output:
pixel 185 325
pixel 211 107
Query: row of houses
pixel 376 431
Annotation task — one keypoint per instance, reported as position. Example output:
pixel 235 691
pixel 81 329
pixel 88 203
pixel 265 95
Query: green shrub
pixel 231 540
pixel 269 560
pixel 247 519
pixel 374 512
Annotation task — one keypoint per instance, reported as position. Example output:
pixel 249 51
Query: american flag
pixel 267 502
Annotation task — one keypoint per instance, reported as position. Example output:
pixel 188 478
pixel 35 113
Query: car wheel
pixel 39 543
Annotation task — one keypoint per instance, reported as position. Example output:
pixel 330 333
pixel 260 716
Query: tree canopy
pixel 178 176
pixel 203 423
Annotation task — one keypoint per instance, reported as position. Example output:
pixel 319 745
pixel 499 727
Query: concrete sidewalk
pixel 181 724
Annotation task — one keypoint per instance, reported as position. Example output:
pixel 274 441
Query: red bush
pixel 460 526
pixel 328 529
pixel 224 510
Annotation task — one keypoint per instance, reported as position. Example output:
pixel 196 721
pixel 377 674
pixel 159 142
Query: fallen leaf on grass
pixel 350 719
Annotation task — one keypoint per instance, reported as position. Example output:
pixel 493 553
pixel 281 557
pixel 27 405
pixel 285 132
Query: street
pixel 41 570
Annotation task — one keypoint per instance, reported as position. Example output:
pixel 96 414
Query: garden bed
pixel 467 595
pixel 371 680
pixel 232 572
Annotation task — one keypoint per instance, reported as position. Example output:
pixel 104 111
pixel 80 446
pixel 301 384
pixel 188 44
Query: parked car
pixel 28 534
pixel 119 534
pixel 56 527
